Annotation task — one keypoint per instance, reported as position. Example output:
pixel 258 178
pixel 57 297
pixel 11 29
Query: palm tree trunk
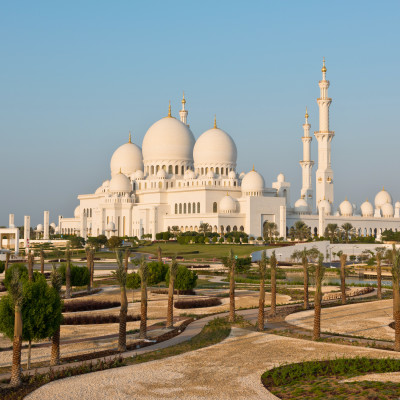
pixel 7 262
pixel 305 278
pixel 143 312
pixel 28 362
pixel 16 375
pixel 232 294
pixel 261 305
pixel 30 267
pixel 396 307
pixel 122 321
pixel 68 277
pixel 170 310
pixel 343 258
pixel 55 348
pixel 89 266
pixel 42 262
pixel 379 276
pixel 317 305
pixel 92 269
pixel 127 254
pixel 273 291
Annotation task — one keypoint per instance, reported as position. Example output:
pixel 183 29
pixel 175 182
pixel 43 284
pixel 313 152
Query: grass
pixel 200 251
pixel 322 379
pixel 214 332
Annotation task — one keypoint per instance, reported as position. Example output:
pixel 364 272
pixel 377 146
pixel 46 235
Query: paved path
pixel 228 370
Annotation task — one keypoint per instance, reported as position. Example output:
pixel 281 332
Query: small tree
pixel 133 282
pixel 144 272
pixel 185 279
pixel 114 242
pixel 120 275
pixel 319 275
pixel 230 265
pixel 261 302
pixel 56 283
pixel 173 269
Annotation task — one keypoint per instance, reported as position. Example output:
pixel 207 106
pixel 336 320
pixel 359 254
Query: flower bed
pixel 96 319
pixel 89 305
pixel 198 303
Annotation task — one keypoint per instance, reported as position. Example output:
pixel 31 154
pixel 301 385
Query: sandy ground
pixel 229 370
pixel 370 320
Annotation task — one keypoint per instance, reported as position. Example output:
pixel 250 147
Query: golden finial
pixel 169 109
pixel 253 168
pixel 130 137
pixel 306 113
pixel 183 98
pixel 383 188
pixel 345 199
pixel 323 65
pixel 227 193
pixel 215 121
pixel 120 170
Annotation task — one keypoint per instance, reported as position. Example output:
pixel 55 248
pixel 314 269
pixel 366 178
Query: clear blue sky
pixel 76 76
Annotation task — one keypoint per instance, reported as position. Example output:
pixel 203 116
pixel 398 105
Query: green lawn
pixel 199 252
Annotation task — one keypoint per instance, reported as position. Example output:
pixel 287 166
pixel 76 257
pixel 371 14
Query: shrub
pixel 89 305
pixel 197 303
pixel 22 272
pixel 185 279
pixel 96 319
pixel 133 280
pixel 79 275
pixel 157 272
pixel 2 266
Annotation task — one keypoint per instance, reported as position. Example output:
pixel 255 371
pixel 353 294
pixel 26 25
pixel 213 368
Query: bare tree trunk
pixel 7 262
pixel 343 259
pixel 92 269
pixel 55 348
pixel 30 267
pixel 42 262
pixel 261 304
pixel 88 266
pixel 273 290
pixel 170 310
pixel 68 276
pixel 122 321
pixel 143 311
pixel 232 293
pixel 16 375
pixel 305 278
pixel 379 276
pixel 317 305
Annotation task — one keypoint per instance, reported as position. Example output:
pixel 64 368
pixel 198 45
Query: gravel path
pixel 228 370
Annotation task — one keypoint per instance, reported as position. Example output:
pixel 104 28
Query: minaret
pixel 324 175
pixel 307 164
pixel 183 113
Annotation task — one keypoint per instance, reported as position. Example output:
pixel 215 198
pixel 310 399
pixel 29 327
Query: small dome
pixel 228 205
pixel 232 175
pixel 242 175
pixel 253 183
pixel 326 205
pixel 189 174
pixel 210 174
pixel 127 159
pixel 77 212
pixel 367 209
pixel 110 226
pixel 39 228
pixel 382 198
pixel 120 183
pixel 346 209
pixel 168 139
pixel 53 225
pixel 281 178
pixel 301 206
pixel 139 174
pixel 397 204
pixel 387 210
pixel 161 174
pixel 215 146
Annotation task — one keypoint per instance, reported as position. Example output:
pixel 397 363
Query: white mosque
pixel 176 180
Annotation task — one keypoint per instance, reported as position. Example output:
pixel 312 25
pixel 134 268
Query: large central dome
pixel 168 139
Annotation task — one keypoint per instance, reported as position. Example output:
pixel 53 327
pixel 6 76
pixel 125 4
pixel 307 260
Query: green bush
pixel 185 279
pixel 79 275
pixel 2 266
pixel 22 272
pixel 133 280
pixel 157 272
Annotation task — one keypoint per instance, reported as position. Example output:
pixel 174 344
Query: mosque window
pixel 214 207
pixel 180 208
pixel 176 170
pixel 164 167
pixel 189 208
pixel 152 170
pixel 202 171
pixel 194 208
pixel 160 185
pixel 228 228
pixel 184 208
pixel 157 168
pixel 170 169
pixel 242 228
pixel 108 220
pixel 217 170
pixel 182 170
pixel 198 207
pixel 172 184
pixel 235 228
pixel 234 183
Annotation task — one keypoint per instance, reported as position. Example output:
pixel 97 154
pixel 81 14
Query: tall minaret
pixel 324 175
pixel 183 113
pixel 307 164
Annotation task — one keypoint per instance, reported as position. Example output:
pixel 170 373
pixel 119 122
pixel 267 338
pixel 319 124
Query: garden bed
pixel 88 305
pixel 96 319
pixel 198 303
pixel 182 292
pixel 324 379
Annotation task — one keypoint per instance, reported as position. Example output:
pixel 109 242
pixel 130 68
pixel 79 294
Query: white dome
pixel 387 210
pixel 281 178
pixel 346 209
pixel 39 228
pixel 253 182
pixel 382 198
pixel 189 174
pixel 367 209
pixel 77 211
pixel 397 204
pixel 161 174
pixel 127 159
pixel 168 139
pixel 227 205
pixel 232 175
pixel 327 206
pixel 53 225
pixel 301 206
pixel 139 174
pixel 241 176
pixel 120 183
pixel 110 226
pixel 215 146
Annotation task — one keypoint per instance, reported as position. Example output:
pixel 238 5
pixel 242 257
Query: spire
pixel 253 168
pixel 323 70
pixel 306 116
pixel 130 137
pixel 169 109
pixel 183 101
pixel 215 121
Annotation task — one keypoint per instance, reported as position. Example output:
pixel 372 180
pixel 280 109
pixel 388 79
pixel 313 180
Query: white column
pixel 46 235
pixel 11 221
pixel 282 221
pixel 307 164
pixel 27 231
pixel 324 174
pixel 321 221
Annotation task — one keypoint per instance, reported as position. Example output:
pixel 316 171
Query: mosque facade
pixel 174 180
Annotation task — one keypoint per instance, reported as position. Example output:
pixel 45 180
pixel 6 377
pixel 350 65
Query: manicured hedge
pixel 197 303
pixel 89 305
pixel 96 319
pixel 181 292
